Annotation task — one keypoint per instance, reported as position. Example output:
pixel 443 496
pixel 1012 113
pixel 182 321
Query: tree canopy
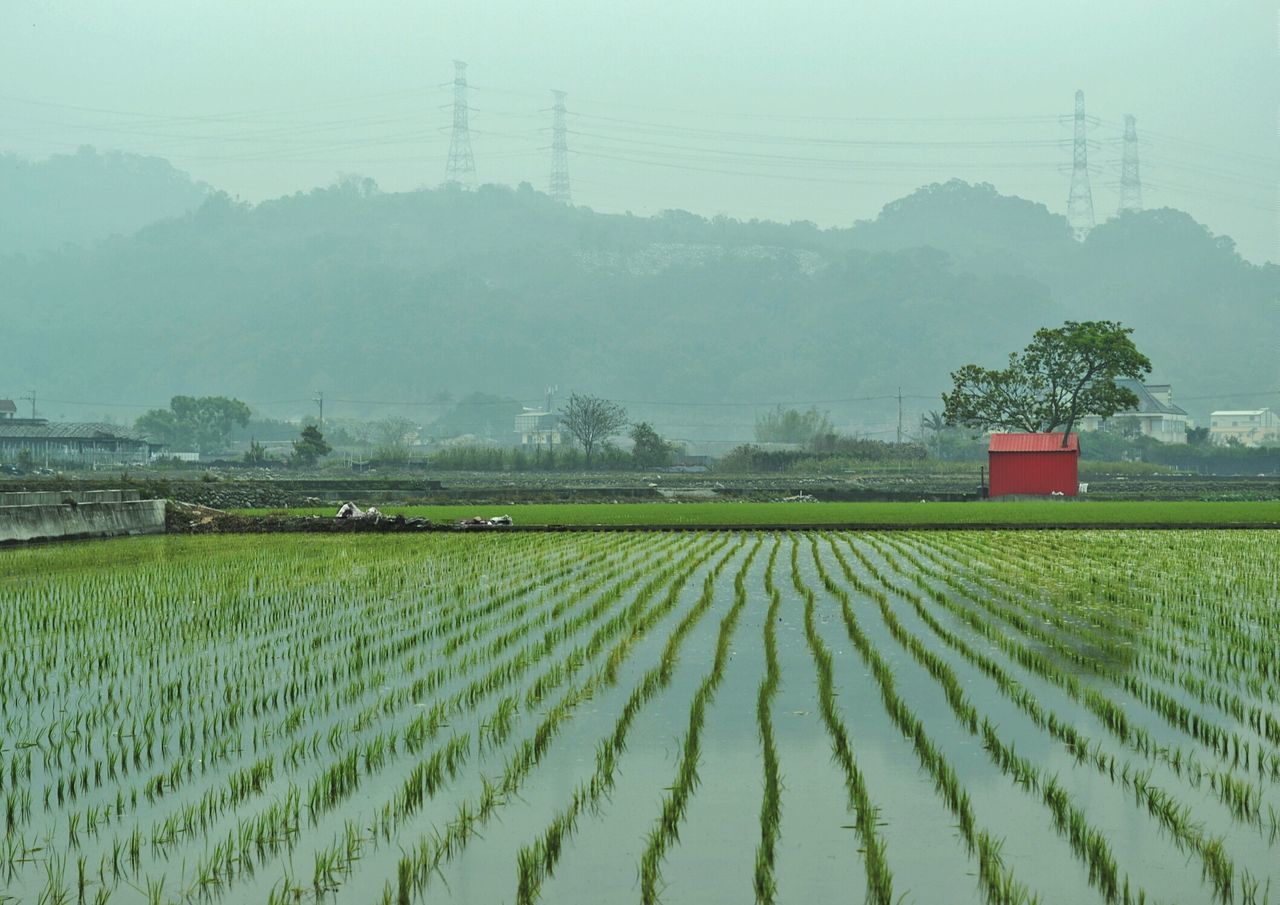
pixel 310 446
pixel 649 449
pixel 198 423
pixel 1064 374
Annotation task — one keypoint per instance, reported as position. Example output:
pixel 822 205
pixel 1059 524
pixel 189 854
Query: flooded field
pixel 927 717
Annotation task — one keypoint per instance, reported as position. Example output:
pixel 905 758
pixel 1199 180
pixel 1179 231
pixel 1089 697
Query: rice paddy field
pixel 789 717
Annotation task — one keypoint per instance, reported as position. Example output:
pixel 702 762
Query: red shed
pixel 1034 464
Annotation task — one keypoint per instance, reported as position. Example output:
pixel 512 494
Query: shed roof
pixel 7 407
pixel 66 431
pixel 1033 443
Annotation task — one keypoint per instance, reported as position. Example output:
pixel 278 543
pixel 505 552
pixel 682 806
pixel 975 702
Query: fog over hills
pixel 86 196
pixel 382 298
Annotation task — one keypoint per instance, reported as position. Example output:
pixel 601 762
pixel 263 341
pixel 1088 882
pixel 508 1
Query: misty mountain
pixel 383 298
pixel 86 196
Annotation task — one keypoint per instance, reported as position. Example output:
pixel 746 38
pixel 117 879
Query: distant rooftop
pixel 1148 404
pixel 7 407
pixel 29 430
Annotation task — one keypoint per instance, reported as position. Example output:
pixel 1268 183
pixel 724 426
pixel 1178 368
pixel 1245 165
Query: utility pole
pixel 319 400
pixel 551 395
pixel 899 416
pixel 1080 199
pixel 31 397
pixel 461 168
pixel 559 151
pixel 1130 181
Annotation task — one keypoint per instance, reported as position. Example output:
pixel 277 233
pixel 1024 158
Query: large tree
pixel 1064 374
pixel 650 449
pixel 200 423
pixel 591 420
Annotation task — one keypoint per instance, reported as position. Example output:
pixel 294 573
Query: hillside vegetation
pixel 387 297
pixel 83 197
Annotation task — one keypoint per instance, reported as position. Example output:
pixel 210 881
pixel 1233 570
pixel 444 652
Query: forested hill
pixel 378 296
pixel 86 196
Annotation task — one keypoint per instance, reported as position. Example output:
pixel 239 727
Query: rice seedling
pixel 764 884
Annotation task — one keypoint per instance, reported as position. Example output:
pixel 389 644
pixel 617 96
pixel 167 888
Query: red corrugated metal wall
pixel 1040 473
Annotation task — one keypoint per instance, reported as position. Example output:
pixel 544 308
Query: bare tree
pixel 592 420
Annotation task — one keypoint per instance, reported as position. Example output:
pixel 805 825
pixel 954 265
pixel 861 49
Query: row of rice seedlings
pixel 666 830
pixel 494 730
pixel 444 764
pixel 997 884
pixel 253 840
pixel 765 886
pixel 1209 592
pixel 879 877
pixel 427 856
pixel 1205 594
pixel 1172 816
pixel 1178 599
pixel 1206 694
pixel 336 861
pixel 1098 619
pixel 537 860
pixel 423 862
pixel 1225 745
pixel 1242 798
pixel 166 834
pixel 139 745
pixel 128 700
pixel 1228 632
pixel 373 754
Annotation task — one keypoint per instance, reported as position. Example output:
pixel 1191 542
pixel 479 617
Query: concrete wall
pixel 45 521
pixel 57 497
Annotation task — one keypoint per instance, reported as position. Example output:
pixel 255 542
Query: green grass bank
pixel 1036 513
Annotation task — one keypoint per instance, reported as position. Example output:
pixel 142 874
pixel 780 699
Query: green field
pixel 1024 512
pixel 770 717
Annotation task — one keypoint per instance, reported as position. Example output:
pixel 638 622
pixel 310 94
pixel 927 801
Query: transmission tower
pixel 1080 201
pixel 1130 181
pixel 462 166
pixel 559 151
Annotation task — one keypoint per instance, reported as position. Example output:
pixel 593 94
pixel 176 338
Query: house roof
pixel 1033 443
pixel 1148 404
pixel 1238 413
pixel 67 431
pixel 7 407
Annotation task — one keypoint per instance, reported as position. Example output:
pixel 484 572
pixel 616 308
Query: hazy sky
pixel 820 111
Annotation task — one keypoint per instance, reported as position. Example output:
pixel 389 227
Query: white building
pixel 1249 427
pixel 1155 416
pixel 539 428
